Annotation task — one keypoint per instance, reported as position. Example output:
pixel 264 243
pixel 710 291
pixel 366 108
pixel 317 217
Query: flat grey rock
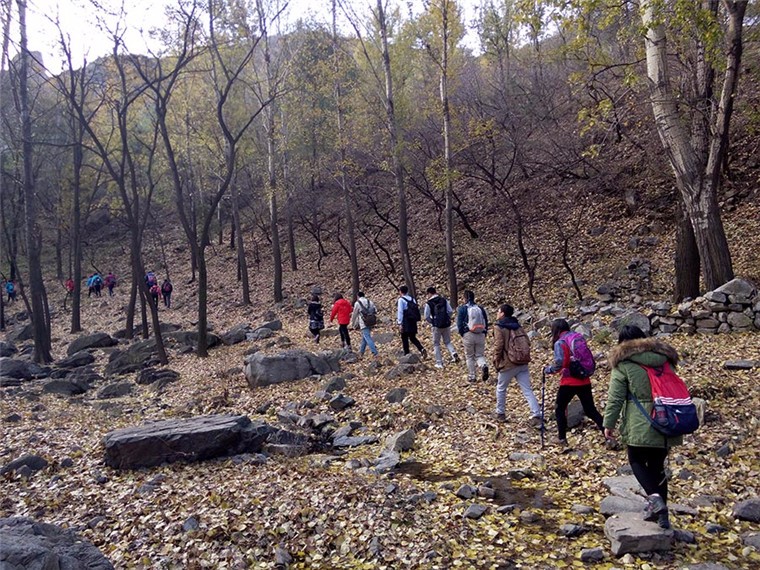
pixel 629 532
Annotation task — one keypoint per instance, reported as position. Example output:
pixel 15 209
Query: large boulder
pixel 738 288
pixel 21 333
pixel 76 360
pixel 7 349
pixel 94 340
pixel 40 546
pixel 236 334
pixel 190 338
pixel 631 533
pixel 19 369
pixel 633 318
pixel 265 369
pixel 137 356
pixel 192 439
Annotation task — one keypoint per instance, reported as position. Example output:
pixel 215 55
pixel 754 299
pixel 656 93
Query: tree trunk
pixel 241 261
pixel 687 259
pixel 398 168
pixel 42 345
pixel 696 181
pixel 202 303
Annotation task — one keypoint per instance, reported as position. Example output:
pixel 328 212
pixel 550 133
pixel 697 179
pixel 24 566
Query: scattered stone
pixel 263 370
pixel 571 530
pixel 139 355
pixel 387 461
pixel 475 511
pixel 724 450
pixel 740 364
pixel 706 566
pixel 614 505
pixel 77 360
pixel 115 390
pixel 592 554
pixel 401 441
pixel 12 418
pixel 334 385
pixel 282 557
pixel 355 441
pixel 529 517
pixel 486 492
pixel 684 536
pixel 521 456
pixel 748 510
pixel 410 358
pixel 30 544
pixel 152 375
pixel 466 492
pixel 396 395
pixel 65 387
pixel 190 525
pixel 752 539
pixel 435 410
pixel 67 462
pixel 7 349
pixel 399 371
pixel 87 342
pixel 504 509
pixel 631 533
pixel 18 369
pixel 341 402
pixel 582 510
pixel 237 334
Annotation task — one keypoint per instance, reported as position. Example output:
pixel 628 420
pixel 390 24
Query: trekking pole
pixel 543 392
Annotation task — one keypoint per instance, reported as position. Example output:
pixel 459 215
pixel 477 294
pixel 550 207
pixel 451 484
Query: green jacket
pixel 627 375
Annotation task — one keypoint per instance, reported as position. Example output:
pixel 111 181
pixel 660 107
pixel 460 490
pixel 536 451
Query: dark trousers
pixel 406 338
pixel 167 299
pixel 316 333
pixel 648 465
pixel 344 337
pixel 567 393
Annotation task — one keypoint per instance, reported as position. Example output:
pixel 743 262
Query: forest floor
pixel 329 515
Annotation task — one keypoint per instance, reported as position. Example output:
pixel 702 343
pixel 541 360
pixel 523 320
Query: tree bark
pixel 42 345
pixel 398 167
pixel 687 265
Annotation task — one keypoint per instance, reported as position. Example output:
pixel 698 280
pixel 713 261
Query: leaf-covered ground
pixel 329 513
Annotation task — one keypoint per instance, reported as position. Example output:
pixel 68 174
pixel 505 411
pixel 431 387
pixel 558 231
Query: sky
pixel 77 19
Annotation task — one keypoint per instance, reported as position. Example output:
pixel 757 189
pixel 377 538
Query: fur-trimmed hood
pixel 630 348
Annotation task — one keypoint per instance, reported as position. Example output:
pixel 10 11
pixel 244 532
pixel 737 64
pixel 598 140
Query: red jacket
pixel 343 309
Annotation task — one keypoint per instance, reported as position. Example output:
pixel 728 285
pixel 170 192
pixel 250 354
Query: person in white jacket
pixel 364 318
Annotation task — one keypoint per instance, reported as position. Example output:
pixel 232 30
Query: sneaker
pixel 455 358
pixel 471 380
pixel 562 442
pixel 423 352
pixel 655 507
pixel 536 422
pixel 663 521
pixel 500 418
pixel 485 373
pixel 438 365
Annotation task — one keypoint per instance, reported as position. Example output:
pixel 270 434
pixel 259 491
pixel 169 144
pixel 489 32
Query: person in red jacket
pixel 342 309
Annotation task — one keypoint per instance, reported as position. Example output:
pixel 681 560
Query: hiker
pixel 510 359
pixel 150 279
pixel 647 448
pixel 342 310
pixel 69 286
pixel 316 318
pixel 569 385
pixel 10 289
pixel 364 318
pixel 407 317
pixel 97 284
pixel 472 324
pixel 166 292
pixel 110 282
pixel 155 291
pixel 91 285
pixel 438 313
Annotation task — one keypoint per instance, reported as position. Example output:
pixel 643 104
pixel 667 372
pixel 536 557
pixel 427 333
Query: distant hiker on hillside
pixel 316 318
pixel 364 317
pixel 10 289
pixel 510 359
pixel 438 313
pixel 94 285
pixel 155 291
pixel 647 448
pixel 150 279
pixel 571 350
pixel 407 317
pixel 69 285
pixel 472 324
pixel 110 282
pixel 166 292
pixel 342 310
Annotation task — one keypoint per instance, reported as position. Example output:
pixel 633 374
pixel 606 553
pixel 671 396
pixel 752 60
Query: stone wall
pixel 733 307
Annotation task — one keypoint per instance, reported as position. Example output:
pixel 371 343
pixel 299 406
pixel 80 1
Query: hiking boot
pixel 423 352
pixel 485 373
pixel 655 507
pixel 502 418
pixel 455 358
pixel 562 442
pixel 663 521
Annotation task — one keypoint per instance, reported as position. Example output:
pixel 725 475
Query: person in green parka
pixel 647 448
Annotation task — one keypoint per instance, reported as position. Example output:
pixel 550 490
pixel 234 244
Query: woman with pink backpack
pixel 573 359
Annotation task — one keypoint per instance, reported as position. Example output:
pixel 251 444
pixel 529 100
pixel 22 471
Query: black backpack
pixel 439 314
pixel 412 311
pixel 369 314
